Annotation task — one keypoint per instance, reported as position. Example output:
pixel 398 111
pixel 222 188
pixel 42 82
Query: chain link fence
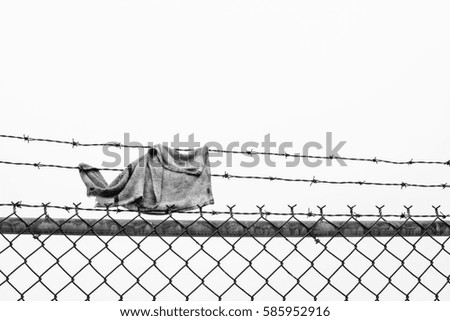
pixel 70 253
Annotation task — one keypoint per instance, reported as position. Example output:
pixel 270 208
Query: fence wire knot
pixel 230 208
pixel 380 210
pixel 291 207
pixel 408 211
pixel 321 209
pixel 200 209
pixel 17 204
pixel 351 209
pixel 170 208
pixel 45 205
pixel 436 209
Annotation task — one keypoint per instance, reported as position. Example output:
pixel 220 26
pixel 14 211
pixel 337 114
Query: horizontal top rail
pixel 228 228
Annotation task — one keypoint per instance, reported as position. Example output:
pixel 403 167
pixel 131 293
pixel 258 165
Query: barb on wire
pixel 374 160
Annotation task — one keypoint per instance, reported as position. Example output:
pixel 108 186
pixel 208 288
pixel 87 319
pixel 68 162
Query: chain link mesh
pixel 352 260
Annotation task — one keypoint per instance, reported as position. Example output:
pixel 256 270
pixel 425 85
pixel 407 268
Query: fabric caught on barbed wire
pixel 162 180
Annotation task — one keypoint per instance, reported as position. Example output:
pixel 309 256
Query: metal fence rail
pixel 220 228
pixel 59 253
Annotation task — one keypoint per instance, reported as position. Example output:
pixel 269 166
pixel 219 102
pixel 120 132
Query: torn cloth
pixel 163 180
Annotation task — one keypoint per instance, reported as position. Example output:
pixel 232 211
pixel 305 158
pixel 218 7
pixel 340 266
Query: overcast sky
pixel 374 74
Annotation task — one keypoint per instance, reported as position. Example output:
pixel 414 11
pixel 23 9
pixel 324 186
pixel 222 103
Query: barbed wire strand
pixel 230 211
pixel 226 175
pixel 375 160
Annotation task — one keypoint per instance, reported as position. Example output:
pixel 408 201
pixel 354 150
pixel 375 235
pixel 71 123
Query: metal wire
pixel 39 259
pixel 226 175
pixel 230 211
pixel 374 160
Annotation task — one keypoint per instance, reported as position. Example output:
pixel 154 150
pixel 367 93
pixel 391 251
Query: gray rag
pixel 161 181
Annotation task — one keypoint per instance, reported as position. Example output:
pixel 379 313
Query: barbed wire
pixel 374 160
pixel 226 175
pixel 261 211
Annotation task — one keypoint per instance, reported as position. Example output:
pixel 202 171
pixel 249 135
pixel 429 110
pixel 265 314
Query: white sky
pixel 375 74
